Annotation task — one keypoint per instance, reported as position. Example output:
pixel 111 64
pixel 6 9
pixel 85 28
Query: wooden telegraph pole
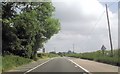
pixel 109 30
pixel 73 48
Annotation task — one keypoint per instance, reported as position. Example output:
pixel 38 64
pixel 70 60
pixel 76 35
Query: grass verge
pixel 11 61
pixel 47 55
pixel 99 57
pixel 0 64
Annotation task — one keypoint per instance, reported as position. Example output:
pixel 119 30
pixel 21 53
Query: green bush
pixel 109 60
pixel 73 55
pixel 50 55
pixel 11 61
pixel 47 55
pixel 0 64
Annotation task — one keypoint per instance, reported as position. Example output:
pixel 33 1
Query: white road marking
pixel 79 66
pixel 38 66
pixel 75 65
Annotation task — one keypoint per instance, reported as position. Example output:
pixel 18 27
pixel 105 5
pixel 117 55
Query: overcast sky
pixel 84 24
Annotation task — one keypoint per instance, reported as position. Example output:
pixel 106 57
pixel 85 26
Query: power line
pixel 92 30
pixel 97 22
pixel 111 4
pixel 99 19
pixel 95 25
pixel 73 47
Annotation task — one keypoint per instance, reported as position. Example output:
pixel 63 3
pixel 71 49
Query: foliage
pixel 27 26
pixel 11 61
pixel 99 56
pixel 76 55
pixel 0 64
pixel 47 55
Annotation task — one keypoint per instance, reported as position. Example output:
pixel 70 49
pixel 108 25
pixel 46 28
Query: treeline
pixel 26 26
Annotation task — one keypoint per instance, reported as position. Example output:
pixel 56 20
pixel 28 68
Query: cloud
pixel 78 26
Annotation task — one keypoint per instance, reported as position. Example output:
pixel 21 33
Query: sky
pixel 84 25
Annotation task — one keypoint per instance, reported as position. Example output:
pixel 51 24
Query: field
pixel 99 57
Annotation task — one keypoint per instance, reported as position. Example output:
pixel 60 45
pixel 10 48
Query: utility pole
pixel 73 48
pixel 54 49
pixel 109 30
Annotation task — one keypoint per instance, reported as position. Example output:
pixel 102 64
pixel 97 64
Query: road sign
pixel 103 47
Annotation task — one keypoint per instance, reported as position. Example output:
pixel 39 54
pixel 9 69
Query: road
pixel 57 65
pixel 66 65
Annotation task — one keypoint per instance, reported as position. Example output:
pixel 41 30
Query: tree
pixel 49 24
pixel 7 34
pixel 26 30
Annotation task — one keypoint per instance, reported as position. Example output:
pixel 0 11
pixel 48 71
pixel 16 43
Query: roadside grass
pixel 0 64
pixel 47 55
pixel 9 62
pixel 12 61
pixel 99 57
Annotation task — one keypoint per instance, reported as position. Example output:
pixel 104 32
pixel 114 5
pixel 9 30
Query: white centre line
pixel 38 66
pixel 79 66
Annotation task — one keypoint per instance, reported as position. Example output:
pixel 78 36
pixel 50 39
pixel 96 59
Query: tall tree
pixel 27 26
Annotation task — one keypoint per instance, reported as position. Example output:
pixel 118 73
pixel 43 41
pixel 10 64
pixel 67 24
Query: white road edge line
pixel 79 66
pixel 38 66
